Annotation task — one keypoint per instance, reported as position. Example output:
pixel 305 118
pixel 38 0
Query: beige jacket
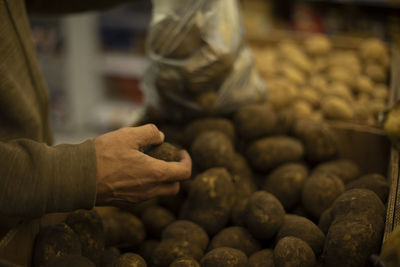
pixel 35 177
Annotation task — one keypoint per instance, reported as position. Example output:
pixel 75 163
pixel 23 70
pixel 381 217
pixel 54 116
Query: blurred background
pixel 93 62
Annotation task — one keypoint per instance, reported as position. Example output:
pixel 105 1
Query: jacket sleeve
pixel 36 178
pixel 69 6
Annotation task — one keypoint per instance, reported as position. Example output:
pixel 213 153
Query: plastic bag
pixel 199 60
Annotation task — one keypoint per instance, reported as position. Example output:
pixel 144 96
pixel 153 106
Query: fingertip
pixel 162 136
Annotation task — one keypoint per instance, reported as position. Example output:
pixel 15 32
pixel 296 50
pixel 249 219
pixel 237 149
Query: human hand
pixel 126 176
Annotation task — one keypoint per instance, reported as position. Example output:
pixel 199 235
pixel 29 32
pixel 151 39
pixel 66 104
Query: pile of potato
pixel 320 82
pixel 267 190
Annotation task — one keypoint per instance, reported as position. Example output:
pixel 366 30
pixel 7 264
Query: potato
pixel 147 248
pixel 129 260
pixel 70 260
pixel 364 84
pixel 210 200
pixel 302 109
pixel 185 262
pixel 286 183
pixel 55 241
pixel 255 121
pixel 242 178
pixel 269 152
pixel 221 257
pixel 155 219
pixel 189 39
pixel 345 169
pixel 89 228
pixel 357 202
pixel 173 203
pixel 292 251
pixel 325 220
pixel 376 73
pixel 239 212
pixel 319 192
pixel 319 83
pixel 381 92
pixel 235 237
pixel 262 258
pixel 373 50
pixel 208 102
pixel 168 81
pixel 196 127
pixel 311 96
pixel 212 149
pixel 121 229
pixel 374 182
pixel 362 112
pixel 340 90
pixel 335 108
pixel 319 64
pixel 171 249
pixel 264 215
pixel 285 120
pixel 351 241
pixel 377 107
pixel 340 74
pixel 304 229
pixel 187 231
pixel 318 45
pixel 165 151
pixel 319 141
pixel 208 68
pixel 292 73
pixel 109 256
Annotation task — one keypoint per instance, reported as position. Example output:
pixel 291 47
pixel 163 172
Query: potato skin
pixel 235 237
pixel 89 228
pixel 109 256
pixel 221 257
pixel 286 183
pixel 196 127
pixel 374 182
pixel 55 241
pixel 304 229
pixel 351 241
pixel 212 149
pixel 185 262
pixel 130 259
pixel 318 139
pixel 70 260
pixel 155 219
pixel 255 121
pixel 186 231
pixel 171 249
pixel 292 251
pixel 345 169
pixel 121 229
pixel 165 151
pixel 262 258
pixel 210 200
pixel 357 202
pixel 264 215
pixel 147 248
pixel 319 192
pixel 269 152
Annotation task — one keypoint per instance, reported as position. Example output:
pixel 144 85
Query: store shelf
pixel 125 65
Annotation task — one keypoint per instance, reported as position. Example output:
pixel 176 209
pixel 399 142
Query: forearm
pixel 69 6
pixel 38 179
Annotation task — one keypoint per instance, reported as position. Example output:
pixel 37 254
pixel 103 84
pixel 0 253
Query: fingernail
pixel 162 135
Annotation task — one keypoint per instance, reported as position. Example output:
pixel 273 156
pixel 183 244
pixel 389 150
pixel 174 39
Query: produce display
pixel 277 194
pixel 319 79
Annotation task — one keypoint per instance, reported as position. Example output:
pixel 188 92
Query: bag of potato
pixel 200 63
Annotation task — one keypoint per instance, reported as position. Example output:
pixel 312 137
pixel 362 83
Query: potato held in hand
pixel 267 153
pixel 165 151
